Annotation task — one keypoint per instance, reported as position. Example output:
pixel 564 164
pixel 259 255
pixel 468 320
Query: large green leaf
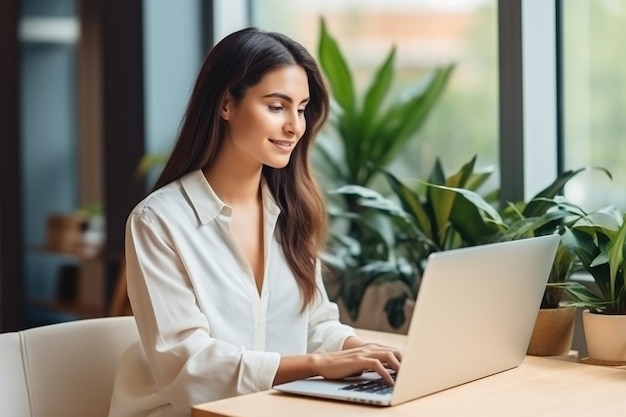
pixel 349 133
pixel 582 296
pixel 479 178
pixel 489 212
pixel 377 92
pixel 537 206
pixel 587 243
pixel 336 70
pixel 437 174
pixel 470 223
pixel 616 257
pixel 411 203
pixel 405 116
pixel 332 156
pixel 412 113
pixel 442 200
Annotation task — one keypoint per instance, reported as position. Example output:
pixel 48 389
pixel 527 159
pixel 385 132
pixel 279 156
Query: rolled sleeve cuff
pixel 263 367
pixel 330 339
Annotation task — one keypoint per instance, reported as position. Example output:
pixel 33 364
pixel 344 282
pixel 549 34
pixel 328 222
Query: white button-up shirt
pixel 206 330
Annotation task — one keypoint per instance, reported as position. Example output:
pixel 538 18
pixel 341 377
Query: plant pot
pixel 605 335
pixel 372 314
pixel 553 332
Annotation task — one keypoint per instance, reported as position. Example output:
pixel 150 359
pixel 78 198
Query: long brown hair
pixel 236 63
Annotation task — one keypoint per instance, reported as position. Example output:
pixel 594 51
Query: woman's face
pixel 267 123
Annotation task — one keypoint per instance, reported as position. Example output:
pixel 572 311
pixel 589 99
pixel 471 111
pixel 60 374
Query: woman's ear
pixel 225 108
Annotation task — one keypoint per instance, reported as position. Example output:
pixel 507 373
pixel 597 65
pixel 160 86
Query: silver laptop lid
pixel 474 314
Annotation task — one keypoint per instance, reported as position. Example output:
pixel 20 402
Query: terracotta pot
pixel 605 335
pixel 553 332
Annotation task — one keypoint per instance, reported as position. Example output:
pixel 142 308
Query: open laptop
pixel 473 317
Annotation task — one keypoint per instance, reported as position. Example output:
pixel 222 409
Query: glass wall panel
pixel 48 31
pixel 594 98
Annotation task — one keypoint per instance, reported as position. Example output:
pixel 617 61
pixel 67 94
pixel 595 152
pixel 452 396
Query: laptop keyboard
pixel 375 386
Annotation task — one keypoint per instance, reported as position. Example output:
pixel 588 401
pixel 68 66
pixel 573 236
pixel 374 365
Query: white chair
pixel 63 370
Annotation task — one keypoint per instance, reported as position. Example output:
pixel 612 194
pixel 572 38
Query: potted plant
pixel 398 234
pixel 394 244
pixel 553 332
pixel 547 212
pixel 447 212
pixel 599 242
pixel 365 134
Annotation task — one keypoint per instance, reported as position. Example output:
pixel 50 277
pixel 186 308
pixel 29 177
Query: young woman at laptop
pixel 222 257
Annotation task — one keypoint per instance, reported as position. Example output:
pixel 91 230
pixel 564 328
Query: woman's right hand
pixel 355 358
pixel 354 361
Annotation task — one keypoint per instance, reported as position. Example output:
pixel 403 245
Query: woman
pixel 222 267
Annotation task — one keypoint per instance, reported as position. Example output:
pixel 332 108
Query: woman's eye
pixel 301 111
pixel 276 108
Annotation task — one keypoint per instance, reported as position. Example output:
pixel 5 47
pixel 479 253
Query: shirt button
pixel 259 324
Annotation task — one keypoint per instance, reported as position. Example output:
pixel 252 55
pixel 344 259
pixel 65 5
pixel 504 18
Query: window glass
pixel 594 98
pixel 426 33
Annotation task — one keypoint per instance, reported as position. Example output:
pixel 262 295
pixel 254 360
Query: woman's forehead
pixel 291 81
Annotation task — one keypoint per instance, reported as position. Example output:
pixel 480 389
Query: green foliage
pixel 545 213
pixel 371 131
pixel 600 247
pixel 442 214
pixel 397 233
pixel 150 162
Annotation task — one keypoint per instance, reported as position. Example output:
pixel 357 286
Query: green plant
pixel 151 162
pixel 370 132
pixel 600 247
pixel 563 267
pixel 395 238
pixel 545 213
pixel 446 213
pixel 367 134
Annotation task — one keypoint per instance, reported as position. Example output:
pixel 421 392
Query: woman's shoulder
pixel 180 199
pixel 160 201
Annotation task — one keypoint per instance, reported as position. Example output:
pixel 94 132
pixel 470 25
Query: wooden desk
pixel 538 387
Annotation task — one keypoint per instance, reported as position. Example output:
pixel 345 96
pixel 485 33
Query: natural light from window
pixel 427 33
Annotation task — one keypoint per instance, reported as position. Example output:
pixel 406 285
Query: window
pixel 594 98
pixel 427 33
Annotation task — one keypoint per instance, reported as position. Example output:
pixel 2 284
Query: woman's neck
pixel 234 183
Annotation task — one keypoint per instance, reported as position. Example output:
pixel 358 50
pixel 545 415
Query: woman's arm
pixel 340 364
pixel 188 364
pixel 335 351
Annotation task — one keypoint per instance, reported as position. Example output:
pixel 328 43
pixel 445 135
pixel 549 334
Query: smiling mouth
pixel 284 143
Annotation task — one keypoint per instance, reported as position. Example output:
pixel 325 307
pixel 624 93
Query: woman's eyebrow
pixel 285 97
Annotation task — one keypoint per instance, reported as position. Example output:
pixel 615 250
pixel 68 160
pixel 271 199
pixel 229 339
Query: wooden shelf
pixel 80 253
pixel 90 287
pixel 77 308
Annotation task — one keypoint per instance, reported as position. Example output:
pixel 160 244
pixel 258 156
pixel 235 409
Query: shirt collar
pixel 208 205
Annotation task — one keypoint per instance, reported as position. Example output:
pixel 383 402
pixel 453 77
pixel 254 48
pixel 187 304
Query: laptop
pixel 473 317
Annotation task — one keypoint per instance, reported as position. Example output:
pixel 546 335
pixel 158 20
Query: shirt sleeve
pixel 326 333
pixel 188 365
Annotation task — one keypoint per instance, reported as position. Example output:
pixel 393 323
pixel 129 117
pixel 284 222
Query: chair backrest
pixel 13 388
pixel 69 368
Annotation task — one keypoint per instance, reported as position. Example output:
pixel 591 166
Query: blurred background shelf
pixel 73 308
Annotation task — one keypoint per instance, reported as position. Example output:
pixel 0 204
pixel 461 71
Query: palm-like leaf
pixel 336 69
pixel 600 251
pixel 537 205
pixel 372 134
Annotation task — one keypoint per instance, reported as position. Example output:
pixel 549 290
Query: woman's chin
pixel 276 164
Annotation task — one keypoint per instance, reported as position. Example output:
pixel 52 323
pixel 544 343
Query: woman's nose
pixel 295 124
